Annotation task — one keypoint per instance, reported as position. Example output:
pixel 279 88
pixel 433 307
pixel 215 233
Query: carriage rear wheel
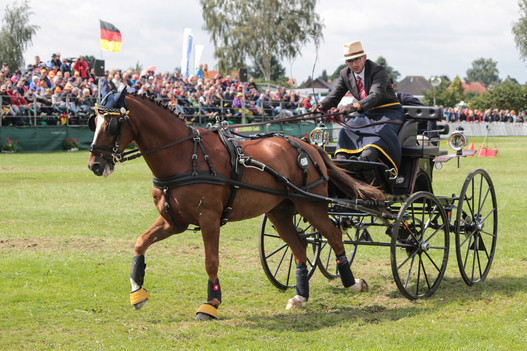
pixel 476 227
pixel 276 257
pixel 419 246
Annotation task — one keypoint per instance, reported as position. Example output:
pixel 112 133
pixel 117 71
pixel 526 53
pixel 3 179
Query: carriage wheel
pixel 476 227
pixel 352 232
pixel 419 246
pixel 277 259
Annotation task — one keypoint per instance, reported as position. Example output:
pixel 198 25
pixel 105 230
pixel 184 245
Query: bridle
pixel 115 128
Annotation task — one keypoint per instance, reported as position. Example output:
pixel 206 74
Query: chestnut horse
pixel 175 151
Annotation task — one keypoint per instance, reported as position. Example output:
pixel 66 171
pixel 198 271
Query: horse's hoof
pixel 296 302
pixel 138 298
pixel 207 312
pixel 140 304
pixel 204 317
pixel 360 286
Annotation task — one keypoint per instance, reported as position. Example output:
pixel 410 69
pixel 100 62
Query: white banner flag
pixel 198 50
pixel 187 50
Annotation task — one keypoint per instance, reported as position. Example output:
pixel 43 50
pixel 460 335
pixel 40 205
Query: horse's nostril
pixel 96 169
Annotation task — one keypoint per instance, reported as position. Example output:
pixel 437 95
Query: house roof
pixel 317 83
pixel 474 86
pixel 415 85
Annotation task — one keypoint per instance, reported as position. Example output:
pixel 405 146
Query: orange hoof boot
pixel 207 312
pixel 138 298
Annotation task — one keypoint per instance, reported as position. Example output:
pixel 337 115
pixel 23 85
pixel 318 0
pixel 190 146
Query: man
pixel 81 67
pixel 380 113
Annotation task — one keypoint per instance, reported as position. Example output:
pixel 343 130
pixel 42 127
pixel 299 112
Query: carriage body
pixel 421 225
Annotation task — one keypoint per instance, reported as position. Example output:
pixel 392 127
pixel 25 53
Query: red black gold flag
pixel 110 37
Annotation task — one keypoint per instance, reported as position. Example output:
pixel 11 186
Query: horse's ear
pixel 105 88
pixel 120 98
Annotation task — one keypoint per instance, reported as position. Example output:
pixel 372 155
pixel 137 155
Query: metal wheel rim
pixel 476 227
pixel 419 246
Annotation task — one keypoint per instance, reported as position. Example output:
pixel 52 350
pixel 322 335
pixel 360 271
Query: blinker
pixel 91 123
pixel 113 126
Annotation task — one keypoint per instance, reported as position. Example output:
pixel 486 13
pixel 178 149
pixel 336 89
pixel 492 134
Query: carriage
pixel 206 177
pixel 422 223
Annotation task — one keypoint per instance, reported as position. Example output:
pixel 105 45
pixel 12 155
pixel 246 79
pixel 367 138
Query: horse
pixel 194 184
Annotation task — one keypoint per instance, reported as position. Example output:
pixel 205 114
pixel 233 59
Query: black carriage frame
pixel 419 236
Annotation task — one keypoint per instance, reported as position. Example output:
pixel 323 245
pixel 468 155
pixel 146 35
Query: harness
pixel 237 159
pixel 210 176
pixel 115 127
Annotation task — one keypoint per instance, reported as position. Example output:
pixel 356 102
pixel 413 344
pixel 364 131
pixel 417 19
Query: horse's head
pixel 112 135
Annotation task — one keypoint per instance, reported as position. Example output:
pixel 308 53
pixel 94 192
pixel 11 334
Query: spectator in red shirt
pixel 81 66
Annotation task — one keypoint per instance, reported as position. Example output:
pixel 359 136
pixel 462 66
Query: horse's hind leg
pixel 316 214
pixel 158 231
pixel 282 219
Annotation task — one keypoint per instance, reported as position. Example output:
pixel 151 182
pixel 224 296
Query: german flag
pixel 110 37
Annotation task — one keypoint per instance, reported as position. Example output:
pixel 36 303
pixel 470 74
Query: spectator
pixel 81 67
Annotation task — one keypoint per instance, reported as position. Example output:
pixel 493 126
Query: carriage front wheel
pixel 277 258
pixel 419 245
pixel 476 227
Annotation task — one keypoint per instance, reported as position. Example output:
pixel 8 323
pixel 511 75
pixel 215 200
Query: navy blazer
pixel 377 85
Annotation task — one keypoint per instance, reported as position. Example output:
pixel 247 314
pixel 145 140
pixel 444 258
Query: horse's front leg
pixel 211 238
pixel 158 231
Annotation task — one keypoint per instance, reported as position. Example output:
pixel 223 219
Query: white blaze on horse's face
pixel 99 120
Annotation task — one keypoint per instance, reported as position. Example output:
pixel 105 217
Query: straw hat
pixel 353 50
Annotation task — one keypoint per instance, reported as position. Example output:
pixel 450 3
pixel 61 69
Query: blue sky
pixel 422 37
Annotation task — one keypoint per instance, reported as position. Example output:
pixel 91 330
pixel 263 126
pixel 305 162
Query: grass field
pixel 66 246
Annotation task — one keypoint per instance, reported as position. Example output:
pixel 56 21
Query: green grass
pixel 66 245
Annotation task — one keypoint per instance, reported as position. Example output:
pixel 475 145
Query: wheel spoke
pixel 281 260
pixel 278 250
pixel 409 272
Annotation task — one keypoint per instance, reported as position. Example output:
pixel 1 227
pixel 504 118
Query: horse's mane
pixel 151 99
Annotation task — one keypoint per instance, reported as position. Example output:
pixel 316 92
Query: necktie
pixel 362 93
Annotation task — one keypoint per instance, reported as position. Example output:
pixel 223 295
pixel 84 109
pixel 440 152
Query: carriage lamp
pixel 457 140
pixel 319 136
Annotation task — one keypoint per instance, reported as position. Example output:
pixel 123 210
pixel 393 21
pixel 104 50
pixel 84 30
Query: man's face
pixel 357 64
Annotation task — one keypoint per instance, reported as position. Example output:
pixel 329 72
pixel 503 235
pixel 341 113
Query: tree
pixel 259 29
pixel 508 95
pixel 391 72
pixel 519 30
pixel 448 94
pixel 484 71
pixel 336 74
pixel 90 60
pixel 277 70
pixel 16 35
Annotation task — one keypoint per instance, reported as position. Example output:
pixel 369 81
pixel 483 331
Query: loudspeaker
pixel 242 74
pixel 99 68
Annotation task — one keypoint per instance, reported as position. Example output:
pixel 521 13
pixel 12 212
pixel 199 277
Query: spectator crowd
pixel 65 91
pixel 60 92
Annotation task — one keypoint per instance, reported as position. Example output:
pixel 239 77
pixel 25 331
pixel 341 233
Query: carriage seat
pixel 408 137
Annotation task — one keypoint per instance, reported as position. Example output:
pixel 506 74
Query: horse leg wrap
pixel 138 296
pixel 214 291
pixel 302 280
pixel 346 276
pixel 138 269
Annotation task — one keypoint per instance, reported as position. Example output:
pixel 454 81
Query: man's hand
pixel 346 110
pixel 318 107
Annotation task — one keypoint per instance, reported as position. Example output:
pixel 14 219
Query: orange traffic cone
pixel 471 147
pixel 491 153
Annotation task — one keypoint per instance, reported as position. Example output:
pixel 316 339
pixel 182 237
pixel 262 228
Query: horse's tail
pixel 351 187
